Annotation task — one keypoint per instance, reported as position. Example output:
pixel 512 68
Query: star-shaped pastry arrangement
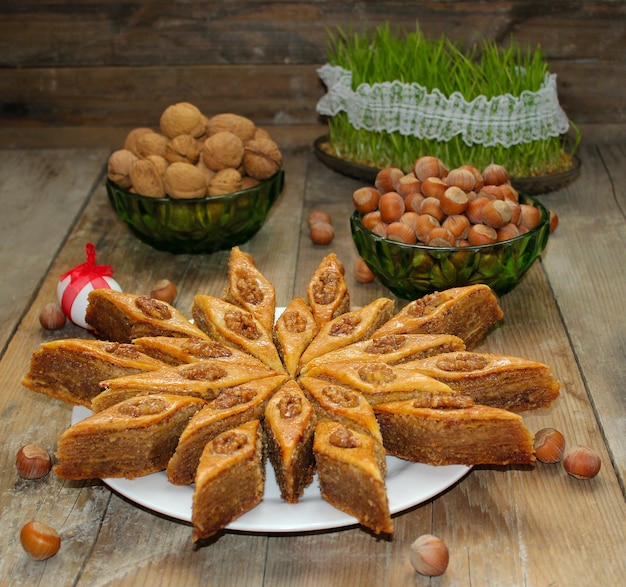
pixel 321 390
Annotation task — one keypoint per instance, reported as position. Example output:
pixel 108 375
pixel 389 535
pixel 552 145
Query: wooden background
pixel 85 71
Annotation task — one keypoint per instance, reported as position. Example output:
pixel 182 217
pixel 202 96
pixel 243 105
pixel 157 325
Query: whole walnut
pixel 225 181
pixel 183 148
pixel 182 119
pixel 118 167
pixel 222 150
pixel 130 142
pixel 239 125
pixel 146 179
pixel 209 174
pixel 150 143
pixel 160 162
pixel 184 180
pixel 262 158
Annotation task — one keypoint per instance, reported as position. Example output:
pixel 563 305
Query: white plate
pixel 408 484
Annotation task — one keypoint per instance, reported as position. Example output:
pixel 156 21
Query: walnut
pixel 118 167
pixel 241 126
pixel 130 142
pixel 262 158
pixel 202 349
pixel 261 133
pixel 221 150
pixel 146 179
pixel 184 180
pixel 342 437
pixel 142 406
pixel 203 371
pixel 159 162
pixel 225 181
pixel 228 443
pixel 183 148
pixel 248 182
pixel 153 308
pixel 150 143
pixel 290 406
pixel 345 325
pixel 182 119
pixel 464 362
pixel 242 324
pixel 208 174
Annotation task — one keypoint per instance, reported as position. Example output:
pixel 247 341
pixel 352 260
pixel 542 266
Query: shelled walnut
pixel 229 151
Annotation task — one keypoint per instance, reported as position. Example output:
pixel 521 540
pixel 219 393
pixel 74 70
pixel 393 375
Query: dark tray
pixel 533 186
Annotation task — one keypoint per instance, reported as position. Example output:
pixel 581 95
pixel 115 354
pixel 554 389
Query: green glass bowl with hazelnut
pixel 412 271
pixel 197 225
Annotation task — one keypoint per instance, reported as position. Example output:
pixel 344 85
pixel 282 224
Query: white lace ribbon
pixel 411 110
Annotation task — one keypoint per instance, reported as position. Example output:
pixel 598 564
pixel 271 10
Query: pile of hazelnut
pixel 441 208
pixel 192 155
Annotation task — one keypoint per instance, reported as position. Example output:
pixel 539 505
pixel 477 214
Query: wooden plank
pixel 41 195
pixel 83 33
pixel 580 265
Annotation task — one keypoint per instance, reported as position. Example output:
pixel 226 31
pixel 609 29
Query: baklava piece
pixel 327 291
pixel 500 381
pixel 293 332
pixel 290 426
pixel 231 408
pixel 71 369
pixel 203 379
pixel 392 349
pixel 232 325
pixel 348 328
pixel 131 439
pixel 351 473
pixel 122 317
pixel 250 289
pixel 474 435
pixel 467 312
pixel 230 479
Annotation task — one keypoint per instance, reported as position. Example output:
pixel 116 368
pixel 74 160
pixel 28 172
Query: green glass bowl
pixel 199 225
pixel 412 271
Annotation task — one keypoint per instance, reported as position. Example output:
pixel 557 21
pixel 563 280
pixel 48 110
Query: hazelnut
pixel 371 219
pixel 507 232
pixel 433 187
pixel 481 234
pixel 33 462
pixel 429 166
pixel 529 216
pixel 322 233
pixel 549 445
pixel 424 224
pixel 362 272
pixel 391 206
pixel 318 216
pixel 387 179
pixel 582 462
pixel 402 233
pixel 222 150
pixel 52 317
pixel 440 237
pixel 118 167
pixel 410 219
pixel 380 229
pixel 239 125
pixel 408 184
pixel 365 199
pixel 414 201
pixel 453 201
pixel 429 555
pixel 495 174
pixel 39 540
pixel 554 221
pixel 225 181
pixel 185 181
pixel 262 158
pixel 183 148
pixel 458 225
pixel 461 178
pixel 182 119
pixel 146 178
pixel 432 206
pixel 496 213
pixel 165 291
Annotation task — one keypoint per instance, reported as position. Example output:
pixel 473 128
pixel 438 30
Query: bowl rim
pixel 545 213
pixel 222 198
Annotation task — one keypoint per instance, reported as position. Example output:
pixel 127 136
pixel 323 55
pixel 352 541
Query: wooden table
pixel 528 526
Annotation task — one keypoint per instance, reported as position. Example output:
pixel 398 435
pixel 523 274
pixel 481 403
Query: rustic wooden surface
pixel 529 526
pixel 103 64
